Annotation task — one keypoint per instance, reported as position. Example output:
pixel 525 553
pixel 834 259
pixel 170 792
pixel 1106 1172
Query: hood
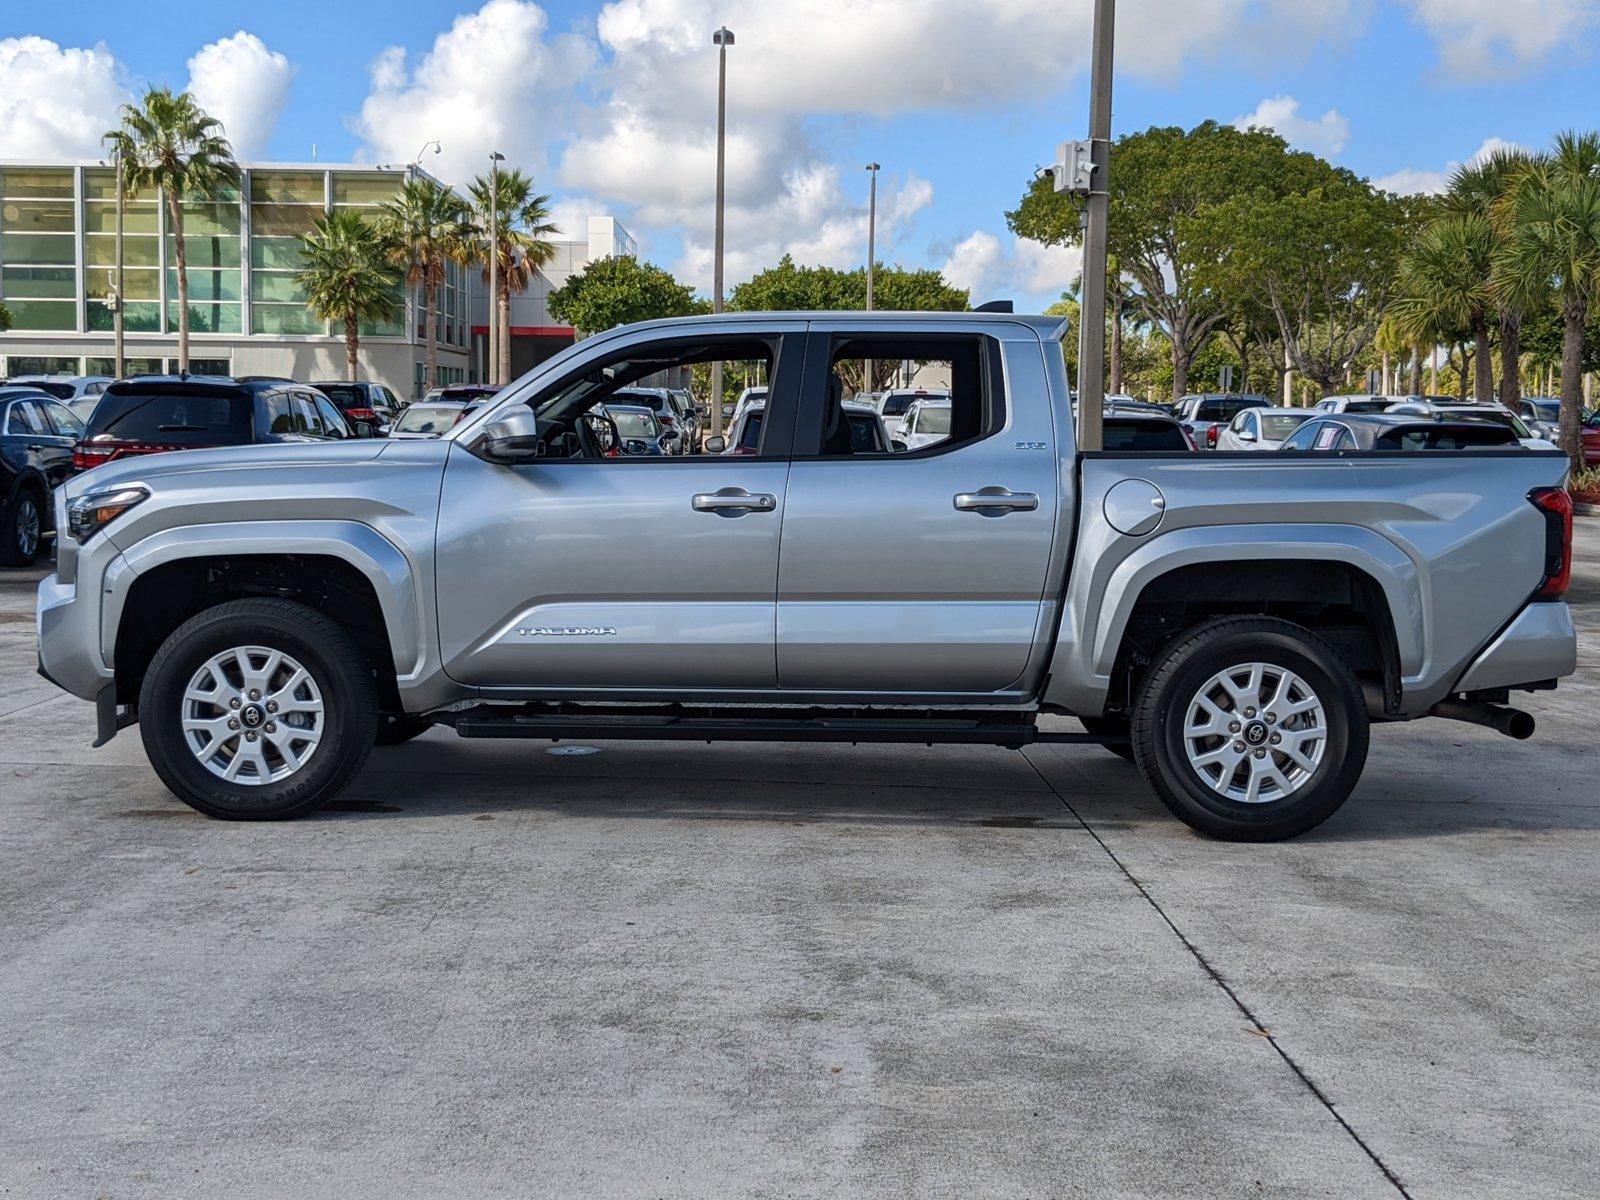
pixel 151 470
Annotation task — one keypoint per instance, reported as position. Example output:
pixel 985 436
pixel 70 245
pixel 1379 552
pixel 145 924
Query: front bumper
pixel 68 626
pixel 1540 644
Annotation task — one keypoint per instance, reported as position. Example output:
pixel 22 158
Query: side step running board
pixel 987 731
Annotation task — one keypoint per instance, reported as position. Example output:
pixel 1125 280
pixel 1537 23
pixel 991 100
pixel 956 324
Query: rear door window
pixel 306 412
pixel 26 417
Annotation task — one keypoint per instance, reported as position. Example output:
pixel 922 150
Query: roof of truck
pixel 1044 326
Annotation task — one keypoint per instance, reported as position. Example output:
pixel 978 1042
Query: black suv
pixel 156 413
pixel 370 408
pixel 36 436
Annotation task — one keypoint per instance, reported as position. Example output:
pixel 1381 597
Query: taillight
pixel 361 414
pixel 1556 505
pixel 1211 436
pixel 84 457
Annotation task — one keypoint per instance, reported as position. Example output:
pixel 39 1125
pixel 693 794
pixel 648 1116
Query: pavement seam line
pixel 1216 977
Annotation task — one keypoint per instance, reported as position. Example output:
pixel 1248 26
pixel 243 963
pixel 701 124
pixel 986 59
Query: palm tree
pixel 1484 189
pixel 1444 286
pixel 426 224
pixel 168 143
pixel 349 275
pixel 1554 242
pixel 521 245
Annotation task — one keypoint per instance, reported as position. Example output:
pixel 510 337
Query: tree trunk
pixel 503 316
pixel 1116 343
pixel 1574 316
pixel 1461 375
pixel 1511 359
pixel 1482 362
pixel 1180 372
pixel 1385 384
pixel 175 215
pixel 1414 384
pixel 352 343
pixel 430 301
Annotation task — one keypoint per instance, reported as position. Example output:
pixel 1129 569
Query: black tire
pixel 340 672
pixel 25 500
pixel 1111 727
pixel 393 730
pixel 1170 688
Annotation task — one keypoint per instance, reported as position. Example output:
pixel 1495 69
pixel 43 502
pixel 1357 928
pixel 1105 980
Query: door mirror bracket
pixel 511 438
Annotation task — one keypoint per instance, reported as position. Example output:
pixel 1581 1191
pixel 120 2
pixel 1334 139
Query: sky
pixel 611 105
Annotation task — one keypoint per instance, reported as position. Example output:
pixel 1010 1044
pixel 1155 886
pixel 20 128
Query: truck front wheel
pixel 1250 729
pixel 258 710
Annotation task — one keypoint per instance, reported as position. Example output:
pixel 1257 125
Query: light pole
pixel 872 254
pixel 116 311
pixel 721 39
pixel 1097 212
pixel 437 148
pixel 495 159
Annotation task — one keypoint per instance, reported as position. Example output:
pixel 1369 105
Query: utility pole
pixel 495 159
pixel 116 310
pixel 1096 224
pixel 872 255
pixel 721 39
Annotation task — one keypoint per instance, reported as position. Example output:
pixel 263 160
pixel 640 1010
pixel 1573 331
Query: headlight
pixel 93 511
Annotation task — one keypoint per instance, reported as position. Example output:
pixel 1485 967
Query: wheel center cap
pixel 251 716
pixel 1255 733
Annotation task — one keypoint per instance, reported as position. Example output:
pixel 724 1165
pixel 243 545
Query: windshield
pixel 202 418
pixel 1133 434
pixel 1226 408
pixel 1500 417
pixel 345 395
pixel 932 420
pixel 1457 437
pixel 429 418
pixel 1367 406
pixel 650 400
pixel 1277 426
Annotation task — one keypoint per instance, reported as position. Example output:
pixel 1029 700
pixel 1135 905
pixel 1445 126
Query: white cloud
pixel 1419 181
pixel 56 102
pixel 1476 37
pixel 244 85
pixel 1014 269
pixel 494 80
pixel 1324 135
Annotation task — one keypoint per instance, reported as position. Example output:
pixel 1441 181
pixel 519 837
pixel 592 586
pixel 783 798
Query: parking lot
pixel 791 970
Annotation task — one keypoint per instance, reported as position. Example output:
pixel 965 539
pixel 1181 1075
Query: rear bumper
pixel 1539 644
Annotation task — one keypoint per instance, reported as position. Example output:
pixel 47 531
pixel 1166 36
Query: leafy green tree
pixel 427 227
pixel 787 287
pixel 1484 189
pixel 1553 241
pixel 1167 187
pixel 349 275
pixel 5 318
pixel 619 291
pixel 521 235
pixel 168 143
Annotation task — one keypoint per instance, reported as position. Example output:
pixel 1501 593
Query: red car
pixel 1591 439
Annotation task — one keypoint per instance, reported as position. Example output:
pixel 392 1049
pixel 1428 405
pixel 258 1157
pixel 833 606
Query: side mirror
pixel 511 437
pixel 898 446
pixel 716 445
pixel 1245 435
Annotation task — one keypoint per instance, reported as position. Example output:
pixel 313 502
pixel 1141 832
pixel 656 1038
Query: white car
pixel 1263 428
pixel 431 419
pixel 1476 412
pixel 895 403
pixel 868 434
pixel 1354 404
pixel 927 421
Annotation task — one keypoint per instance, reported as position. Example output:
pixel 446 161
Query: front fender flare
pixel 393 576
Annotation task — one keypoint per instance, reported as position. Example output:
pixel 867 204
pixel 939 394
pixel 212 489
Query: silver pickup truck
pixel 1231 623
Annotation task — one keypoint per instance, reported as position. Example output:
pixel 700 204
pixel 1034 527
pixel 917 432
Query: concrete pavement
pixel 683 971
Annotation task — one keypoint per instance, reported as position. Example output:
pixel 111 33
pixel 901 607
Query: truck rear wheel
pixel 258 710
pixel 1251 729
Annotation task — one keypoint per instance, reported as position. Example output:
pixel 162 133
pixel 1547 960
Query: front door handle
pixel 996 501
pixel 733 502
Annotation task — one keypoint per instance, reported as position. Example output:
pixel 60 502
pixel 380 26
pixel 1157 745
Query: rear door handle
pixel 996 501
pixel 733 502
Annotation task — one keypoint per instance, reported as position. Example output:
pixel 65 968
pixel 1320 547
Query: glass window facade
pixel 284 205
pixel 365 191
pixel 38 247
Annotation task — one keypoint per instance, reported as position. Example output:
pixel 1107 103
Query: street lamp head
pixel 872 167
pixel 496 156
pixel 722 37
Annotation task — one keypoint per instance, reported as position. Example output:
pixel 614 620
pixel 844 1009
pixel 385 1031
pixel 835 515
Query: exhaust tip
pixel 1519 724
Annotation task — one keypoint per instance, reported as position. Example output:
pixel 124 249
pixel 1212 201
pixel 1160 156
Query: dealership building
pixel 246 315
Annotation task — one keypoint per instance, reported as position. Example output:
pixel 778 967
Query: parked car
pixel 671 413
pixel 639 430
pixel 37 433
pixel 1207 415
pixel 432 418
pixel 867 432
pixel 157 413
pixel 1397 431
pixel 732 412
pixel 1493 413
pixel 926 422
pixel 1239 627
pixel 67 388
pixel 1353 404
pixel 370 409
pixel 1144 433
pixel 1541 414
pixel 895 403
pixel 469 393
pixel 1262 428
